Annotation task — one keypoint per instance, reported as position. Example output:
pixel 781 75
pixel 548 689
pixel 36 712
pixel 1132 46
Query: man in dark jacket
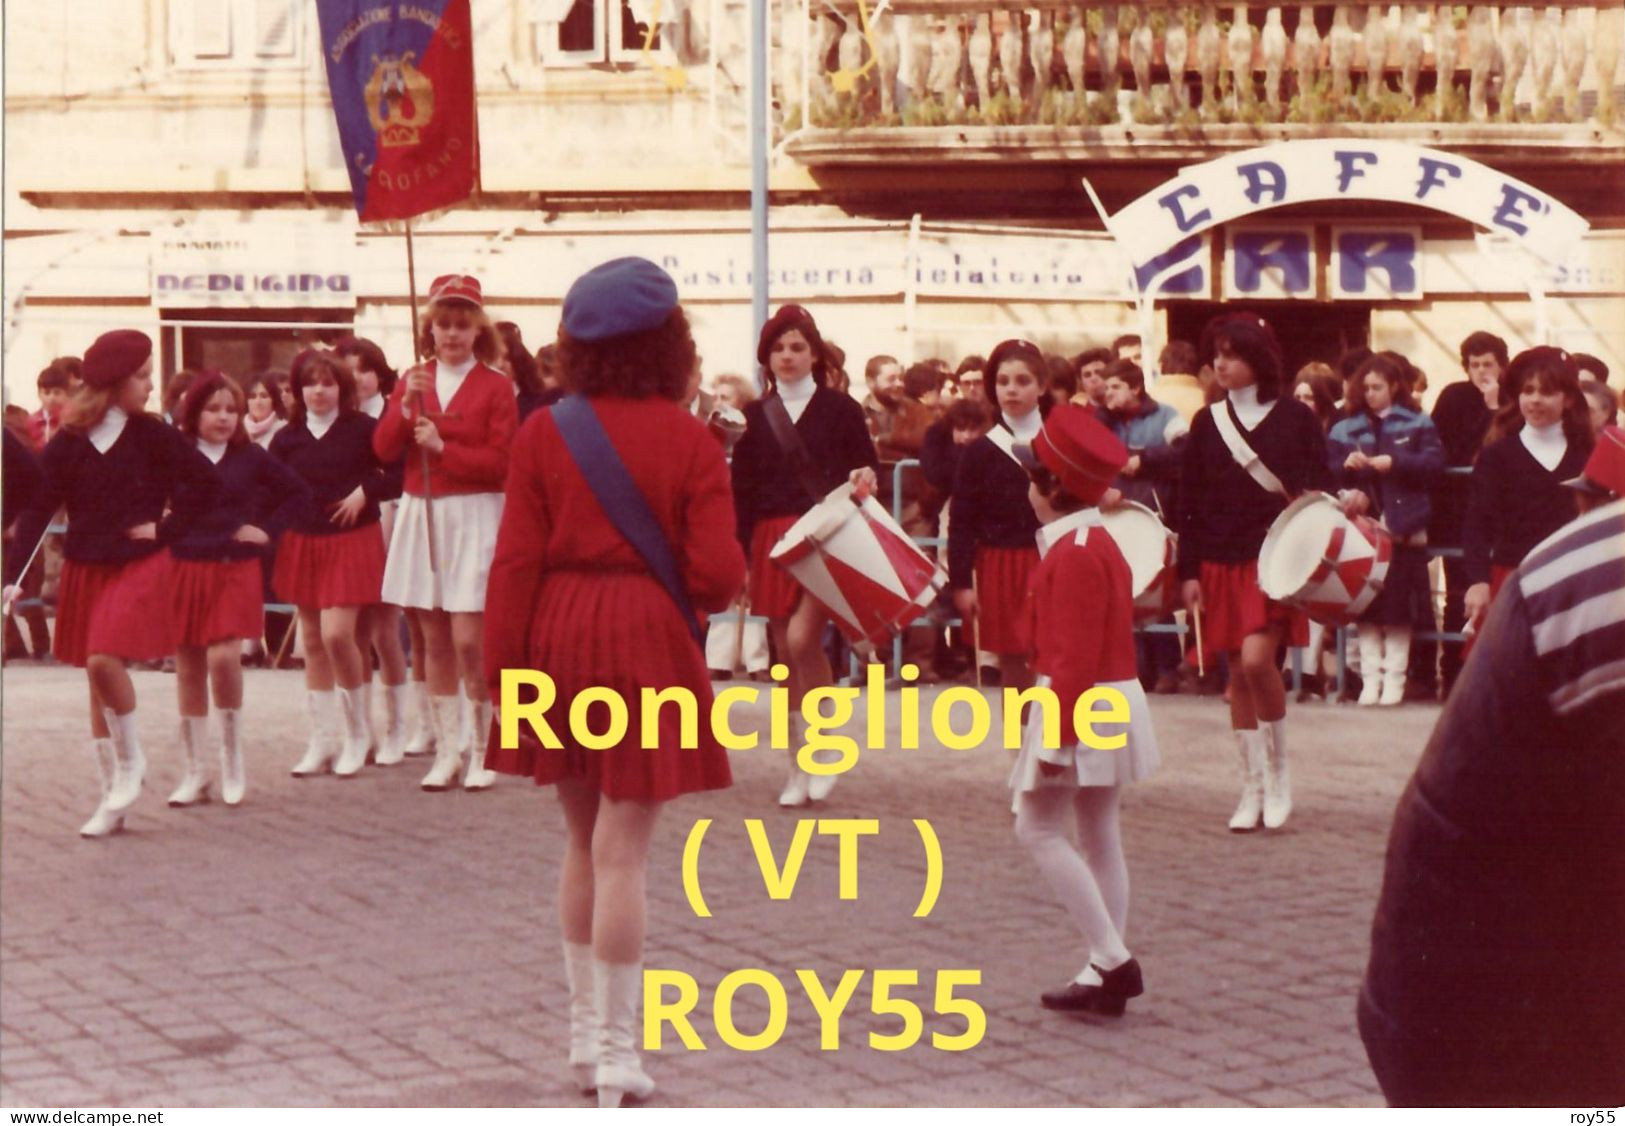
pixel 1498 950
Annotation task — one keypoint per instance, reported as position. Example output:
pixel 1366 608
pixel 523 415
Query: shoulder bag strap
pixel 618 496
pixel 1243 453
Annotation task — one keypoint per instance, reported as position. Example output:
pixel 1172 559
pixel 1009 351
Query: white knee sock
pixel 1041 827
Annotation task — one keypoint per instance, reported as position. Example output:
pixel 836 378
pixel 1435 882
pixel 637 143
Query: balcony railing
pixel 1185 70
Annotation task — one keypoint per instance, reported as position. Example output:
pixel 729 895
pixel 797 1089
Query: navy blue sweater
pixel 1224 513
pixel 256 489
pixel 989 508
pixel 836 434
pixel 149 469
pixel 1514 502
pixel 332 466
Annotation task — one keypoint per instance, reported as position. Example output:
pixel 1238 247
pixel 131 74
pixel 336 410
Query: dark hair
pixel 835 377
pixel 1555 368
pixel 305 367
pixel 1584 362
pixel 1015 349
pixel 1250 337
pixel 1123 341
pixel 1395 370
pixel 175 389
pixel 1481 342
pixel 485 339
pixel 272 381
pixel 967 413
pixel 547 364
pixel 525 375
pixel 1062 377
pixel 56 376
pixel 872 368
pixel 1128 371
pixel 1603 395
pixel 922 379
pixel 1178 358
pixel 1326 388
pixel 1056 493
pixel 371 357
pixel 203 389
pixel 795 317
pixel 1092 356
pixel 655 363
pixel 1349 361
pixel 972 362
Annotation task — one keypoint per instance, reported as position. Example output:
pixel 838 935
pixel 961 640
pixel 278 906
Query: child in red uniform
pixel 461 412
pixel 571 597
pixel 117 469
pixel 1081 617
pixel 218 579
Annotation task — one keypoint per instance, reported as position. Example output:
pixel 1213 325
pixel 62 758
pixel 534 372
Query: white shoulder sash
pixel 1243 453
pixel 1006 442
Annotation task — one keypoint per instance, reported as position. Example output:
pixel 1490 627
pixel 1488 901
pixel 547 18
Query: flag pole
pixel 417 351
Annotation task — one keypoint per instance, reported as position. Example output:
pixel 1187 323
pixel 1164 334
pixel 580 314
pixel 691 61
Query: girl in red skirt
pixel 770 494
pixel 1540 438
pixel 118 470
pixel 459 411
pixel 1226 511
pixel 570 596
pixel 218 579
pixel 330 563
pixel 991 526
pixel 375 380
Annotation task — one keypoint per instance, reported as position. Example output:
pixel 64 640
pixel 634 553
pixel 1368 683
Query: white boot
pixel 798 787
pixel 1277 780
pixel 476 777
pixel 366 716
pixel 584 1023
pixel 1396 658
pixel 233 776
pixel 357 732
pixel 420 740
pixel 131 763
pixel 392 743
pixel 103 823
pixel 194 784
pixel 1370 638
pixel 618 989
pixel 448 752
pixel 819 786
pixel 1250 746
pixel 323 747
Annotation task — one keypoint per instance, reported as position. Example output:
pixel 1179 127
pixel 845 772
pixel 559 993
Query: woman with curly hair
pixel 571 595
pixel 454 420
pixel 831 436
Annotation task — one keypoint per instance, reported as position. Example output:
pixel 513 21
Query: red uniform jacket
pixel 552 521
pixel 1080 610
pixel 477 425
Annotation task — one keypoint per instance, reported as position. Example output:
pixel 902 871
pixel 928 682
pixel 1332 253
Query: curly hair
pixel 197 397
pixel 306 366
pixel 657 362
pixel 486 345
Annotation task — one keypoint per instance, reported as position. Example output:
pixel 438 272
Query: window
pixel 583 32
pixel 237 33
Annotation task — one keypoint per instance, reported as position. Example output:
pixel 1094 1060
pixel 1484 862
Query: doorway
pixel 1308 331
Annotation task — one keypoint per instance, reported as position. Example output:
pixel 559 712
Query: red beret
pixel 457 287
pixel 1604 474
pixel 115 357
pixel 790 317
pixel 1073 445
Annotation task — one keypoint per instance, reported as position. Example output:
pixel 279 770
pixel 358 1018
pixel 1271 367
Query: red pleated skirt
pixel 1233 607
pixel 1001 599
pixel 619 631
pixel 774 591
pixel 343 569
pixel 119 609
pixel 218 601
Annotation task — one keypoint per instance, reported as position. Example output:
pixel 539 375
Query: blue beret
pixel 621 296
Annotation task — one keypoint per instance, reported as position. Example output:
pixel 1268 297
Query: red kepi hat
pixel 457 287
pixel 1604 474
pixel 1073 445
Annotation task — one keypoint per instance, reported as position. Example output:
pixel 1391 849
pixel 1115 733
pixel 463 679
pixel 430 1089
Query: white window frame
pixel 607 45
pixel 244 51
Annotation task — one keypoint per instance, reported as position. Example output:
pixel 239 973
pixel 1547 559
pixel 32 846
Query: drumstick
pixel 1196 617
pixel 32 555
pixel 976 629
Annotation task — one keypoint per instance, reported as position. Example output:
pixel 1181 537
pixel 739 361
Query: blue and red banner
pixel 402 79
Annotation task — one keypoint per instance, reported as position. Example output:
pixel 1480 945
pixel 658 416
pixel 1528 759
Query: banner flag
pixel 402 80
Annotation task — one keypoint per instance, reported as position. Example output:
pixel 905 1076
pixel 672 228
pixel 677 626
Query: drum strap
pixel 789 440
pixel 1243 453
pixel 619 497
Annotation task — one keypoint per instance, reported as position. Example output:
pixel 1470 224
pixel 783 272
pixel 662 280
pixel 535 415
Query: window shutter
pixel 211 29
pixel 275 29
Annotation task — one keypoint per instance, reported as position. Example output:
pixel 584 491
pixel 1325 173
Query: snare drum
pixel 1330 566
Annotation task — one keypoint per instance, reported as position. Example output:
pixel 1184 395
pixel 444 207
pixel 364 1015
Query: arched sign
pixel 1272 176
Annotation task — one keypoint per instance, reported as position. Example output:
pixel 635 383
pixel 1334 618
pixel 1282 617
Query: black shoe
pixel 1109 998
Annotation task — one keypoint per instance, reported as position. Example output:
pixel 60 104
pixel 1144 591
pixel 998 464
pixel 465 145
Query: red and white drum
pixel 1148 546
pixel 1330 566
pixel 860 564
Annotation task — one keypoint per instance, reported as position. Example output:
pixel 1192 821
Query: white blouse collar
pixel 320 424
pixel 1247 407
pixel 1057 530
pixel 1027 427
pixel 214 451
pixel 107 431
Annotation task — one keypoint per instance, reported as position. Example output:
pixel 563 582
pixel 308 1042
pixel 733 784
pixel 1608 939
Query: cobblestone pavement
pixel 359 942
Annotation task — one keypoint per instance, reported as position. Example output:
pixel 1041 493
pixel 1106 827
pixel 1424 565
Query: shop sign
pixel 1377 263
pixel 1273 263
pixel 252 267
